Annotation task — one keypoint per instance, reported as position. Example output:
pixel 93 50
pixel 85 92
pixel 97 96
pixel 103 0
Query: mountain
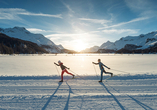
pixel 132 42
pixel 144 43
pixel 23 34
pixel 69 51
pixel 108 45
pixel 60 47
pixel 92 49
pixel 10 45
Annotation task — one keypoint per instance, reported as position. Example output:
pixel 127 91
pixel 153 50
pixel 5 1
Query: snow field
pixel 113 94
pixel 30 82
pixel 43 65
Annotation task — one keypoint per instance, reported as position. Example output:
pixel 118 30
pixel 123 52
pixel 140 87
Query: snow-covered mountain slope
pixel 10 45
pixel 108 45
pixel 143 41
pixel 22 33
pixel 60 47
pixel 92 49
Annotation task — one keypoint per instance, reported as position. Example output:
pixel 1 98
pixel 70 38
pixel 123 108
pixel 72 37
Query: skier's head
pixel 99 60
pixel 59 62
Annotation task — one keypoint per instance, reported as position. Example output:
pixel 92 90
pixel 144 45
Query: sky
pixel 80 24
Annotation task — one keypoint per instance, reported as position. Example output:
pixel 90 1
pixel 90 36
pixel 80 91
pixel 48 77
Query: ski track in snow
pixel 48 94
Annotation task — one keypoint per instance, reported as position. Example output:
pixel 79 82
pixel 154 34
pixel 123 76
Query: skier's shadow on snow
pixel 144 106
pixel 59 84
pixel 141 104
pixel 120 105
pixel 67 104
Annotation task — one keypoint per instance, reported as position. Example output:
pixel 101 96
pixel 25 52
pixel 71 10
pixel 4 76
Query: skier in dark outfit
pixel 102 69
pixel 63 70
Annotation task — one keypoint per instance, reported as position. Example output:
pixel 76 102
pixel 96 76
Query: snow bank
pixel 119 77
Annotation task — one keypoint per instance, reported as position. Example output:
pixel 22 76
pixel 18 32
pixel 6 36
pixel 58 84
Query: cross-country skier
pixel 63 70
pixel 102 69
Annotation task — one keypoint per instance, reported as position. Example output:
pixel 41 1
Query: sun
pixel 79 45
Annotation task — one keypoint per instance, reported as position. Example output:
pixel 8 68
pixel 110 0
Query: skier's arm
pixel 56 64
pixel 105 66
pixel 95 63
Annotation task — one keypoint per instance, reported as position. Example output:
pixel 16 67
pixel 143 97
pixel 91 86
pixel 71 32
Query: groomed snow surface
pixel 35 92
pixel 114 94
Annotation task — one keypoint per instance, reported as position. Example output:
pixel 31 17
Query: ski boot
pixel 73 77
pixel 61 81
pixel 111 74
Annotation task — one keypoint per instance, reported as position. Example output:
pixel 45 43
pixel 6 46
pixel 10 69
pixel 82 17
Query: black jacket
pixel 61 65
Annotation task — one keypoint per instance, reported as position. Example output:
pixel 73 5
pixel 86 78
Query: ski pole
pixel 57 70
pixel 120 71
pixel 95 71
pixel 77 74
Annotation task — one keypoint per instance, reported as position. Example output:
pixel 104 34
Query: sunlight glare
pixel 79 46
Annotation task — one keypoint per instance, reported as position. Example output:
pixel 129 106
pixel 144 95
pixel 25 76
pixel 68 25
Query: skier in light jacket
pixel 102 69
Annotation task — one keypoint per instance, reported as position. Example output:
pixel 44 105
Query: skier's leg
pixel 62 75
pixel 101 75
pixel 108 73
pixel 68 72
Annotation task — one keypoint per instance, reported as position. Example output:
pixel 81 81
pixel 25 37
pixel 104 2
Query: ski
pixel 70 79
pixel 110 77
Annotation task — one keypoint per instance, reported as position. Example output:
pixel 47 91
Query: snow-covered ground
pixel 31 82
pixel 114 94
pixel 43 65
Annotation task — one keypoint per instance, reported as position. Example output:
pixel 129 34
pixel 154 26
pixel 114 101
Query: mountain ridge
pixel 10 45
pixel 23 34
pixel 142 43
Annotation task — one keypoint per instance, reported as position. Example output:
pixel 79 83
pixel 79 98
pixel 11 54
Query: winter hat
pixel 59 61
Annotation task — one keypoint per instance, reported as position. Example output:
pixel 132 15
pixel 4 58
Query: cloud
pixel 131 21
pixel 68 7
pixel 99 21
pixel 13 14
pixel 40 14
pixel 139 5
pixel 124 23
pixel 9 13
pixel 35 30
pixel 69 39
pixel 65 35
pixel 120 31
pixel 143 7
